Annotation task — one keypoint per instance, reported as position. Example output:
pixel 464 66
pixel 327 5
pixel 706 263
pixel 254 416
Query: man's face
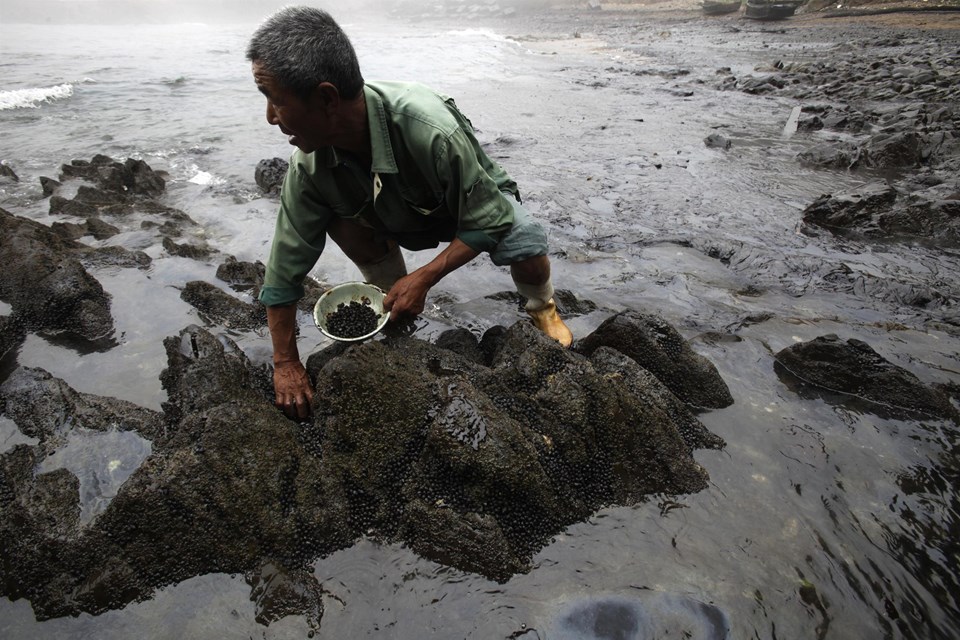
pixel 302 121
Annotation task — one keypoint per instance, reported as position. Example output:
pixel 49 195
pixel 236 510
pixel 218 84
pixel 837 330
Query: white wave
pixel 480 33
pixel 31 98
pixel 202 177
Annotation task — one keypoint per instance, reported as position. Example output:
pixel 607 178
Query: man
pixel 378 166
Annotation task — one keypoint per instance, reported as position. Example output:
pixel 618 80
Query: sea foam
pixel 31 98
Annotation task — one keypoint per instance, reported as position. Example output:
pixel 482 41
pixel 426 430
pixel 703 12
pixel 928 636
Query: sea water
pixel 815 523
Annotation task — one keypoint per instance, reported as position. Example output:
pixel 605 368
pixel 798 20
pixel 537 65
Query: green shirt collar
pixel 383 160
pixel 381 150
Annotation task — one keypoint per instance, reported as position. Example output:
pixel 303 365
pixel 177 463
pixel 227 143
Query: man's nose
pixel 272 115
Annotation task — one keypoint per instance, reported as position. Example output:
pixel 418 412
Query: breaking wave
pixel 31 98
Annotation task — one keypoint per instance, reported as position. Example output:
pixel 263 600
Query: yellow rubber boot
pixel 548 320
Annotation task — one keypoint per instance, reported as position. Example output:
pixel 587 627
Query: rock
pixel 187 250
pixel 657 347
pixel 69 230
pixel 853 210
pixel 168 229
pixel 279 591
pixel 114 256
pixel 114 188
pixel 6 172
pixel 761 85
pixel 47 408
pixel 269 174
pixel 45 283
pixel 845 120
pixel 716 141
pixel 131 177
pixel 64 206
pixel 646 387
pixel 878 210
pixel 854 369
pixel 892 150
pixel 49 186
pixel 95 227
pixel 242 275
pixel 920 217
pixel 808 123
pixel 473 466
pixel 568 304
pixel 218 307
pixel 101 230
pixel 464 343
pixel 11 335
pixel 248 277
pixel 831 155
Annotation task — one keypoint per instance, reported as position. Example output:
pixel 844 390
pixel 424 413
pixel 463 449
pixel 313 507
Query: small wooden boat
pixel 771 9
pixel 719 7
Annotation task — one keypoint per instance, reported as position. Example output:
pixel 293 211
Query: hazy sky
pixel 127 11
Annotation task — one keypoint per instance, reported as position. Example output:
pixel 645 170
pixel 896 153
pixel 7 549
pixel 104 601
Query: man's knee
pixel 533 270
pixel 526 239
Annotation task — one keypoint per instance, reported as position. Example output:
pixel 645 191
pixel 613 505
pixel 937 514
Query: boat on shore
pixel 719 7
pixel 771 9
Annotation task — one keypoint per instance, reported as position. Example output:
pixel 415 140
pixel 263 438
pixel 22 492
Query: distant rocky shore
pixel 897 115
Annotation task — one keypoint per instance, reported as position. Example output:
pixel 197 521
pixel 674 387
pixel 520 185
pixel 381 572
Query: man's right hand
pixel 290 381
pixel 292 387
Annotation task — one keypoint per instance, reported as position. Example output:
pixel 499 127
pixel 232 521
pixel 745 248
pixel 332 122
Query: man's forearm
pixel 408 294
pixel 454 256
pixel 282 322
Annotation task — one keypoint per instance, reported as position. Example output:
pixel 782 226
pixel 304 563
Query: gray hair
pixel 302 47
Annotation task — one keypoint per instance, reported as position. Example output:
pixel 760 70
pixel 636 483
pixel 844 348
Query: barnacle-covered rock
pixel 474 462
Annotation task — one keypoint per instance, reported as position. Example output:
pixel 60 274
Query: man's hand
pixel 408 295
pixel 292 386
pixel 290 381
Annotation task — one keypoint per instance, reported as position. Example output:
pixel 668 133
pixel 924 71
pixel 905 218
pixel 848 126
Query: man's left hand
pixel 407 296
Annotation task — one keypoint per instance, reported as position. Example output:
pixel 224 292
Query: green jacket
pixel 429 182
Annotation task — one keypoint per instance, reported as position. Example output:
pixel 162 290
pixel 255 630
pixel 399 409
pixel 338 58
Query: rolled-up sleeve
pixel 298 240
pixel 482 211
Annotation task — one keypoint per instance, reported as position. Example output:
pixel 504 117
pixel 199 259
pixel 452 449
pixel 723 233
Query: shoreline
pixel 919 14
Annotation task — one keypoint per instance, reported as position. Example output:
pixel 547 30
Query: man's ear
pixel 325 97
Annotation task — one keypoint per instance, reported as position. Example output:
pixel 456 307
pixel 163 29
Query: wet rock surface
pixel 269 174
pixel 660 349
pixel 888 105
pixel 219 307
pixel 46 408
pixel 854 368
pixel 11 334
pixel 473 465
pixel 95 227
pixel 102 186
pixel 247 277
pixel 880 211
pixel 7 173
pixel 45 283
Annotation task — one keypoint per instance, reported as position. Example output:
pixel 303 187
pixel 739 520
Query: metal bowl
pixel 346 293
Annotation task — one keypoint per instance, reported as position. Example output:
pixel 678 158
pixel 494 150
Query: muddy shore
pixel 820 520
